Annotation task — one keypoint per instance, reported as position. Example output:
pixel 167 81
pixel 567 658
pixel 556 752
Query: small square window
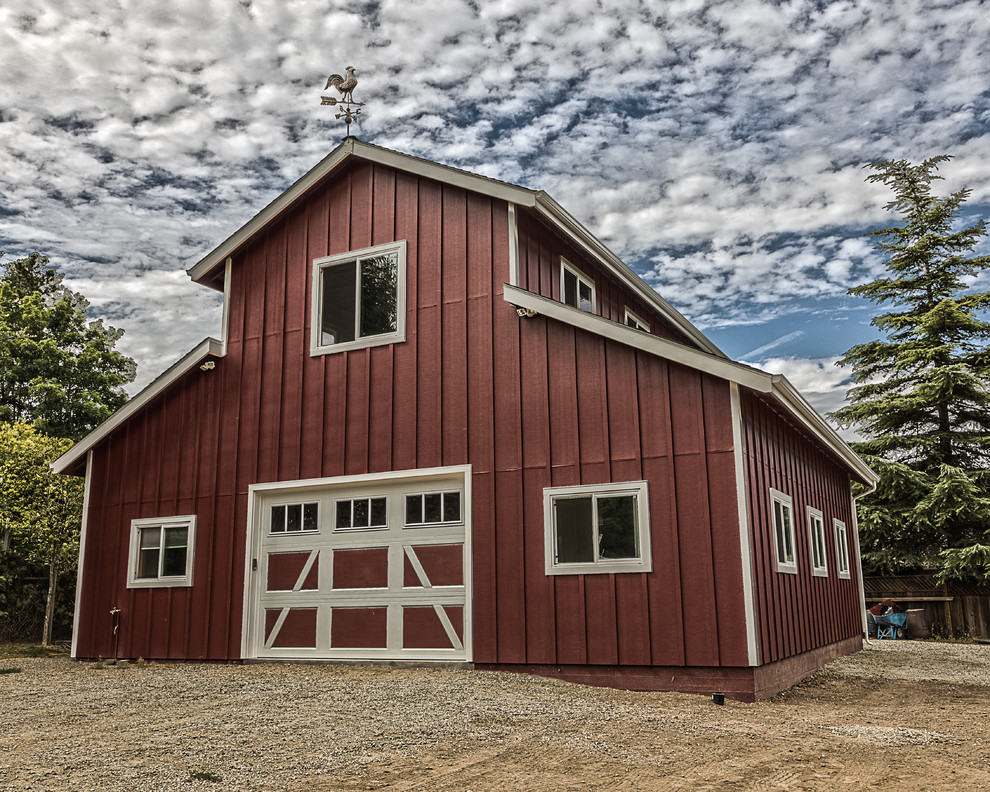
pixel 841 548
pixel 783 531
pixel 359 299
pixel 602 528
pixel 816 529
pixel 576 288
pixel 161 552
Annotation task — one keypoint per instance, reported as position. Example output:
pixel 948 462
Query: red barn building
pixel 444 423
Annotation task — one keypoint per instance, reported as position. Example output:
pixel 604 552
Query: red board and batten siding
pixel 528 403
pixel 796 613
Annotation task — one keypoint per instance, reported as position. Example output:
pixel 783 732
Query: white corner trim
pixel 73 652
pixel 859 557
pixel 209 347
pixel 670 350
pixel 513 245
pixel 225 319
pixel 745 540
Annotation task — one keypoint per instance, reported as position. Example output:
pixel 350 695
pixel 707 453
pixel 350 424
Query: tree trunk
pixel 46 632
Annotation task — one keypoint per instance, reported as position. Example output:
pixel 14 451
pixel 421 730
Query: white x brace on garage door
pixel 360 568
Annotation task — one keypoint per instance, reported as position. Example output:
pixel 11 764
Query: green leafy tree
pixel 921 396
pixel 58 370
pixel 40 511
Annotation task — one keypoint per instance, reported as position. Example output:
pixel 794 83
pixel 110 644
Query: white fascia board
pixel 209 347
pixel 716 365
pixel 593 247
pixel 799 407
pixel 366 151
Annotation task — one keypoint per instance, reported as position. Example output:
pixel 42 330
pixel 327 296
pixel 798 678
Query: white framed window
pixel 816 533
pixel 636 322
pixel 576 288
pixel 359 299
pixel 293 518
pixel 597 529
pixel 161 552
pixel 841 548
pixel 781 510
pixel 361 514
pixel 433 508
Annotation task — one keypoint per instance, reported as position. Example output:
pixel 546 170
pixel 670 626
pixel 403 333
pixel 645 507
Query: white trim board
pixel 775 385
pixel 745 540
pixel 73 652
pixel 209 347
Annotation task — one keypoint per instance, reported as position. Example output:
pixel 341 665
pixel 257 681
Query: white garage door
pixel 371 568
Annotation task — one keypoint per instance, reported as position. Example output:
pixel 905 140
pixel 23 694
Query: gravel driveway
pixel 74 726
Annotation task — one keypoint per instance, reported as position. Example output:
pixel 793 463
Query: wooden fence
pixel 955 609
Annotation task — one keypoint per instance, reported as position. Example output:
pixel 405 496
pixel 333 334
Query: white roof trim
pixel 511 193
pixel 209 347
pixel 716 365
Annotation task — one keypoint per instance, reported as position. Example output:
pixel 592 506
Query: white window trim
pixel 776 496
pixel 315 345
pixel 813 514
pixel 642 564
pixel 641 324
pixel 841 548
pixel 588 281
pixel 187 521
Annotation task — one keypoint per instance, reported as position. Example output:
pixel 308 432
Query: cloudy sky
pixel 717 147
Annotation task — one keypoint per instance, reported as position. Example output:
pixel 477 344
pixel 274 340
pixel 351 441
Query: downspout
pixel 859 561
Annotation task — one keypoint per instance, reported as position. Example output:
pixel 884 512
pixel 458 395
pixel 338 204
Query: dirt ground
pixel 906 716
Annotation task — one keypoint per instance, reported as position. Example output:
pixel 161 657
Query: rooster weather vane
pixel 349 109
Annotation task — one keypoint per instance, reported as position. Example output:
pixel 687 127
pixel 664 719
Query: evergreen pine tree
pixel 921 396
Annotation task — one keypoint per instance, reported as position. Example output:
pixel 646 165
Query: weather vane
pixel 349 109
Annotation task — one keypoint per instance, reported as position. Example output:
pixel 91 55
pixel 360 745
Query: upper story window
pixel 359 299
pixel 635 322
pixel 601 528
pixel 161 552
pixel 816 529
pixel 576 288
pixel 841 548
pixel 783 531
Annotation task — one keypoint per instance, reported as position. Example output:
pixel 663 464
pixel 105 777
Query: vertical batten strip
pixel 745 540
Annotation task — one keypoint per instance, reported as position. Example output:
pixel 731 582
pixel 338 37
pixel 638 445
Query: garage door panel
pixel 360 568
pixel 432 627
pixel 429 566
pixel 294 571
pixel 290 628
pixel 359 628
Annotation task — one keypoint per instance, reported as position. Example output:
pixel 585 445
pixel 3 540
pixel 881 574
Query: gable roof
pixel 208 270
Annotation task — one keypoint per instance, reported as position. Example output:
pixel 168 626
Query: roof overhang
pixel 775 386
pixel 75 457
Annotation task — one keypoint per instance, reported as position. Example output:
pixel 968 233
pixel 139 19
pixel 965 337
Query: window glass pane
pixel 617 534
pixel 343 514
pixel 431 508
pixel 574 532
pixel 337 320
pixel 293 517
pixel 309 517
pixel 378 513
pixel 174 554
pixel 786 528
pixel 361 513
pixel 148 552
pixel 452 507
pixel 585 293
pixel 414 509
pixel 570 288
pixel 278 519
pixel 379 281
